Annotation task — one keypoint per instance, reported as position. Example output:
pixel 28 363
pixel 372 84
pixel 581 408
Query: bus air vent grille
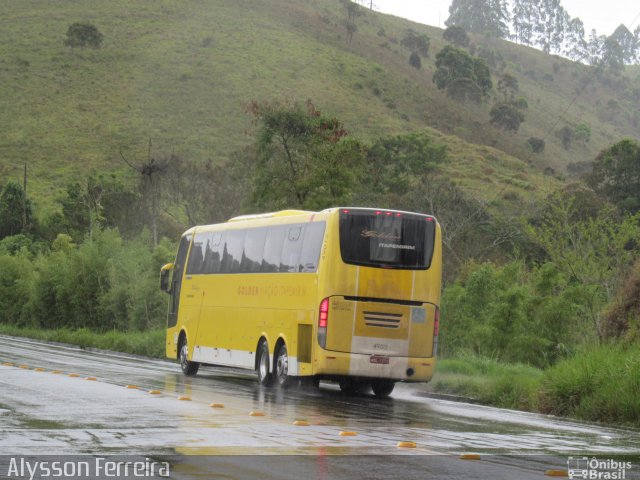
pixel 382 319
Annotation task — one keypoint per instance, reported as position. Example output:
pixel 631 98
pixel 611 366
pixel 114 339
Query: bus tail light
pixel 436 330
pixel 323 320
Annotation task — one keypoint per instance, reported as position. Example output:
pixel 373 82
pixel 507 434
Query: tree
pixel 582 133
pixel 456 35
pixel 613 55
pixel 417 43
pixel 616 175
pixel 595 48
pixel 414 60
pixel 461 75
pixel 506 116
pixel 575 45
pixel 508 86
pixel 536 144
pixel 590 251
pixel 15 210
pixel 205 192
pixel 524 20
pixel 395 164
pixel 566 135
pixel 83 35
pixel 627 44
pixel 551 25
pixel 150 185
pixel 305 159
pixel 486 17
pixel 353 12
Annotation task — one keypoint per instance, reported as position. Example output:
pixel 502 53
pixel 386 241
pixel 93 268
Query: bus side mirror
pixel 165 273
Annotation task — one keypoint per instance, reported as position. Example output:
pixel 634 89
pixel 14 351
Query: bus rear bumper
pixel 408 369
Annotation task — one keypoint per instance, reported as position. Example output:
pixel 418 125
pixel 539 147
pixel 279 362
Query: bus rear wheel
pixel 382 387
pixel 188 368
pixel 263 365
pixel 282 367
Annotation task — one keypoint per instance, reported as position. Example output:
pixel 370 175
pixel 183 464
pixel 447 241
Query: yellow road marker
pixel 301 423
pixel 469 456
pixel 92 379
pixel 347 433
pixel 185 398
pixel 74 375
pixel 39 369
pixel 255 413
pixel 216 405
pixel 26 367
pixel 154 392
pixel 132 387
pixel 406 445
pixel 7 364
pixel 56 371
pixel 556 473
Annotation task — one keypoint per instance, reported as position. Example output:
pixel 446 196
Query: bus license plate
pixel 379 360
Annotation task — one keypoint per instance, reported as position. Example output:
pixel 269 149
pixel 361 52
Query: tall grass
pixel 489 381
pixel 149 343
pixel 599 383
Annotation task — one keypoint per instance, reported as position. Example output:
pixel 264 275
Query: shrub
pixel 83 35
pixel 537 144
pixel 599 383
pixel 414 60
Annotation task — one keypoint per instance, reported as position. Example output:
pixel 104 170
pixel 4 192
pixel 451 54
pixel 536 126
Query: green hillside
pixel 182 72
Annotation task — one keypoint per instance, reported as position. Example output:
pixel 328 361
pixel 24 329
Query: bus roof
pixel 281 213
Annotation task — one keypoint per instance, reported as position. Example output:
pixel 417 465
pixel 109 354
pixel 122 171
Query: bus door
pixel 176 280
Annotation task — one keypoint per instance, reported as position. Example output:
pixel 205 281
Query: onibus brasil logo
pixel 594 468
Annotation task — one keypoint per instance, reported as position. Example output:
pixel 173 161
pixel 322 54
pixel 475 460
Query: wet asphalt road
pixel 42 412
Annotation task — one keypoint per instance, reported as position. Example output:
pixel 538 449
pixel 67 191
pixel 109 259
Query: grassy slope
pixel 181 73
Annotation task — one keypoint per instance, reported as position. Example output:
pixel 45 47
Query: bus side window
pixel 233 248
pixel 291 249
pixel 313 237
pixel 196 256
pixel 213 253
pixel 273 249
pixel 253 250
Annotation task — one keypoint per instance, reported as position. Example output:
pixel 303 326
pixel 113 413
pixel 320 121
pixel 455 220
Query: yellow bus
pixel 349 295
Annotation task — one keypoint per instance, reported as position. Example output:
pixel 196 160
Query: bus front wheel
pixel 264 367
pixel 382 387
pixel 188 368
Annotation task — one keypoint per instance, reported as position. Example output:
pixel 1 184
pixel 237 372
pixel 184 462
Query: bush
pixel 506 116
pixel 599 383
pixel 101 284
pixel 537 144
pixel 456 35
pixel 83 35
pixel 511 314
pixel 414 60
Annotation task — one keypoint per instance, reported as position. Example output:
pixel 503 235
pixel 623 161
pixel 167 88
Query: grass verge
pixel 489 381
pixel 599 383
pixel 149 343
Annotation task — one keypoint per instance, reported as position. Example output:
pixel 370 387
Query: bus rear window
pixel 386 239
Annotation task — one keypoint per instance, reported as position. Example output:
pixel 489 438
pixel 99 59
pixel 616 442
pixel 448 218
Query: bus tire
pixel 281 372
pixel 263 366
pixel 188 368
pixel 382 387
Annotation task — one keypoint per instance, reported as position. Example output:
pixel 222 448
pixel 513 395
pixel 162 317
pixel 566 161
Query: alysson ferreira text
pixel 96 467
